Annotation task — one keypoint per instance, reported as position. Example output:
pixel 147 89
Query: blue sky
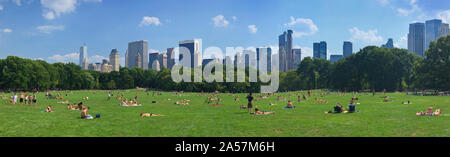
pixel 54 30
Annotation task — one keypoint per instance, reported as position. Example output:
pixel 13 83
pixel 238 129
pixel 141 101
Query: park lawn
pixel 375 119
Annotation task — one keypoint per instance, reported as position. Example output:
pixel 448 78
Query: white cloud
pixel 369 37
pixel 302 27
pixel 147 21
pixel 234 18
pixel 72 57
pixel 444 15
pixel 402 43
pixel 384 2
pixel 48 29
pixel 252 29
pixel 1 7
pixel 413 8
pixel 17 2
pixel 93 1
pixel 54 8
pixel 7 30
pixel 220 21
pixel 96 59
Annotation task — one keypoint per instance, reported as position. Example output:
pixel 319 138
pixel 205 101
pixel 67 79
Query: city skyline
pixel 223 24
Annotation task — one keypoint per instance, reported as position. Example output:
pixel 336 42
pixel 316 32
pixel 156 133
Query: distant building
pixel 152 58
pixel 268 53
pixel 137 49
pixel 114 60
pixel 85 64
pixel 347 48
pixel 162 59
pixel 83 56
pixel 194 48
pixel 335 58
pixel 170 58
pixel 156 66
pixel 389 44
pixel 320 50
pixel 106 68
pixel 416 39
pixel 432 32
pixel 285 44
pixel 250 59
pixel 297 56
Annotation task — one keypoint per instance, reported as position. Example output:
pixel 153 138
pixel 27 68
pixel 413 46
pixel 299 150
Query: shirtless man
pixel 257 112
pixel 149 115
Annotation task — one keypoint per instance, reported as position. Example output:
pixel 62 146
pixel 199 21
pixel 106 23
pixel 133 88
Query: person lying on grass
pixel 405 103
pixel 430 112
pixel 386 99
pixel 216 104
pixel 258 112
pixel 69 107
pixel 49 109
pixel 149 115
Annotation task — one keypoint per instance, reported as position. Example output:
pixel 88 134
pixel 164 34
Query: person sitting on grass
pixel 386 99
pixel 149 115
pixel 84 114
pixel 290 105
pixel 49 109
pixel 337 109
pixel 351 107
pixel 69 107
pixel 258 112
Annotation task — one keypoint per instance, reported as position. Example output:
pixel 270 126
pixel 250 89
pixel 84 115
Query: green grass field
pixel 198 119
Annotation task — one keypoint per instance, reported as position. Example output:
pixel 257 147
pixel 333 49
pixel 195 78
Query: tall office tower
pixel 444 30
pixel 138 60
pixel 316 50
pixel 162 59
pixel 170 58
pixel 194 48
pixel 285 51
pixel 431 31
pixel 320 50
pixel 138 47
pixel 323 50
pixel 114 60
pixel 335 58
pixel 85 64
pixel 152 58
pixel 126 59
pixel 389 44
pixel 268 63
pixel 98 67
pixel 347 48
pixel 83 55
pixel 297 56
pixel 416 39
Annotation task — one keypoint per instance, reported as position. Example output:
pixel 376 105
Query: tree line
pixel 372 68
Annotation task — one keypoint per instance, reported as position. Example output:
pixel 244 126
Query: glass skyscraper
pixel 320 50
pixel 416 38
pixel 347 48
pixel 133 59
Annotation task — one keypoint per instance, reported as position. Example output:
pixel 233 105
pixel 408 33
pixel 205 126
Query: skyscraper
pixel 389 44
pixel 114 60
pixel 316 50
pixel 320 50
pixel 194 48
pixel 259 53
pixel 416 38
pixel 152 58
pixel 83 56
pixel 297 56
pixel 126 59
pixel 431 31
pixel 444 30
pixel 170 58
pixel 137 49
pixel 323 50
pixel 347 48
pixel 285 51
pixel 162 59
